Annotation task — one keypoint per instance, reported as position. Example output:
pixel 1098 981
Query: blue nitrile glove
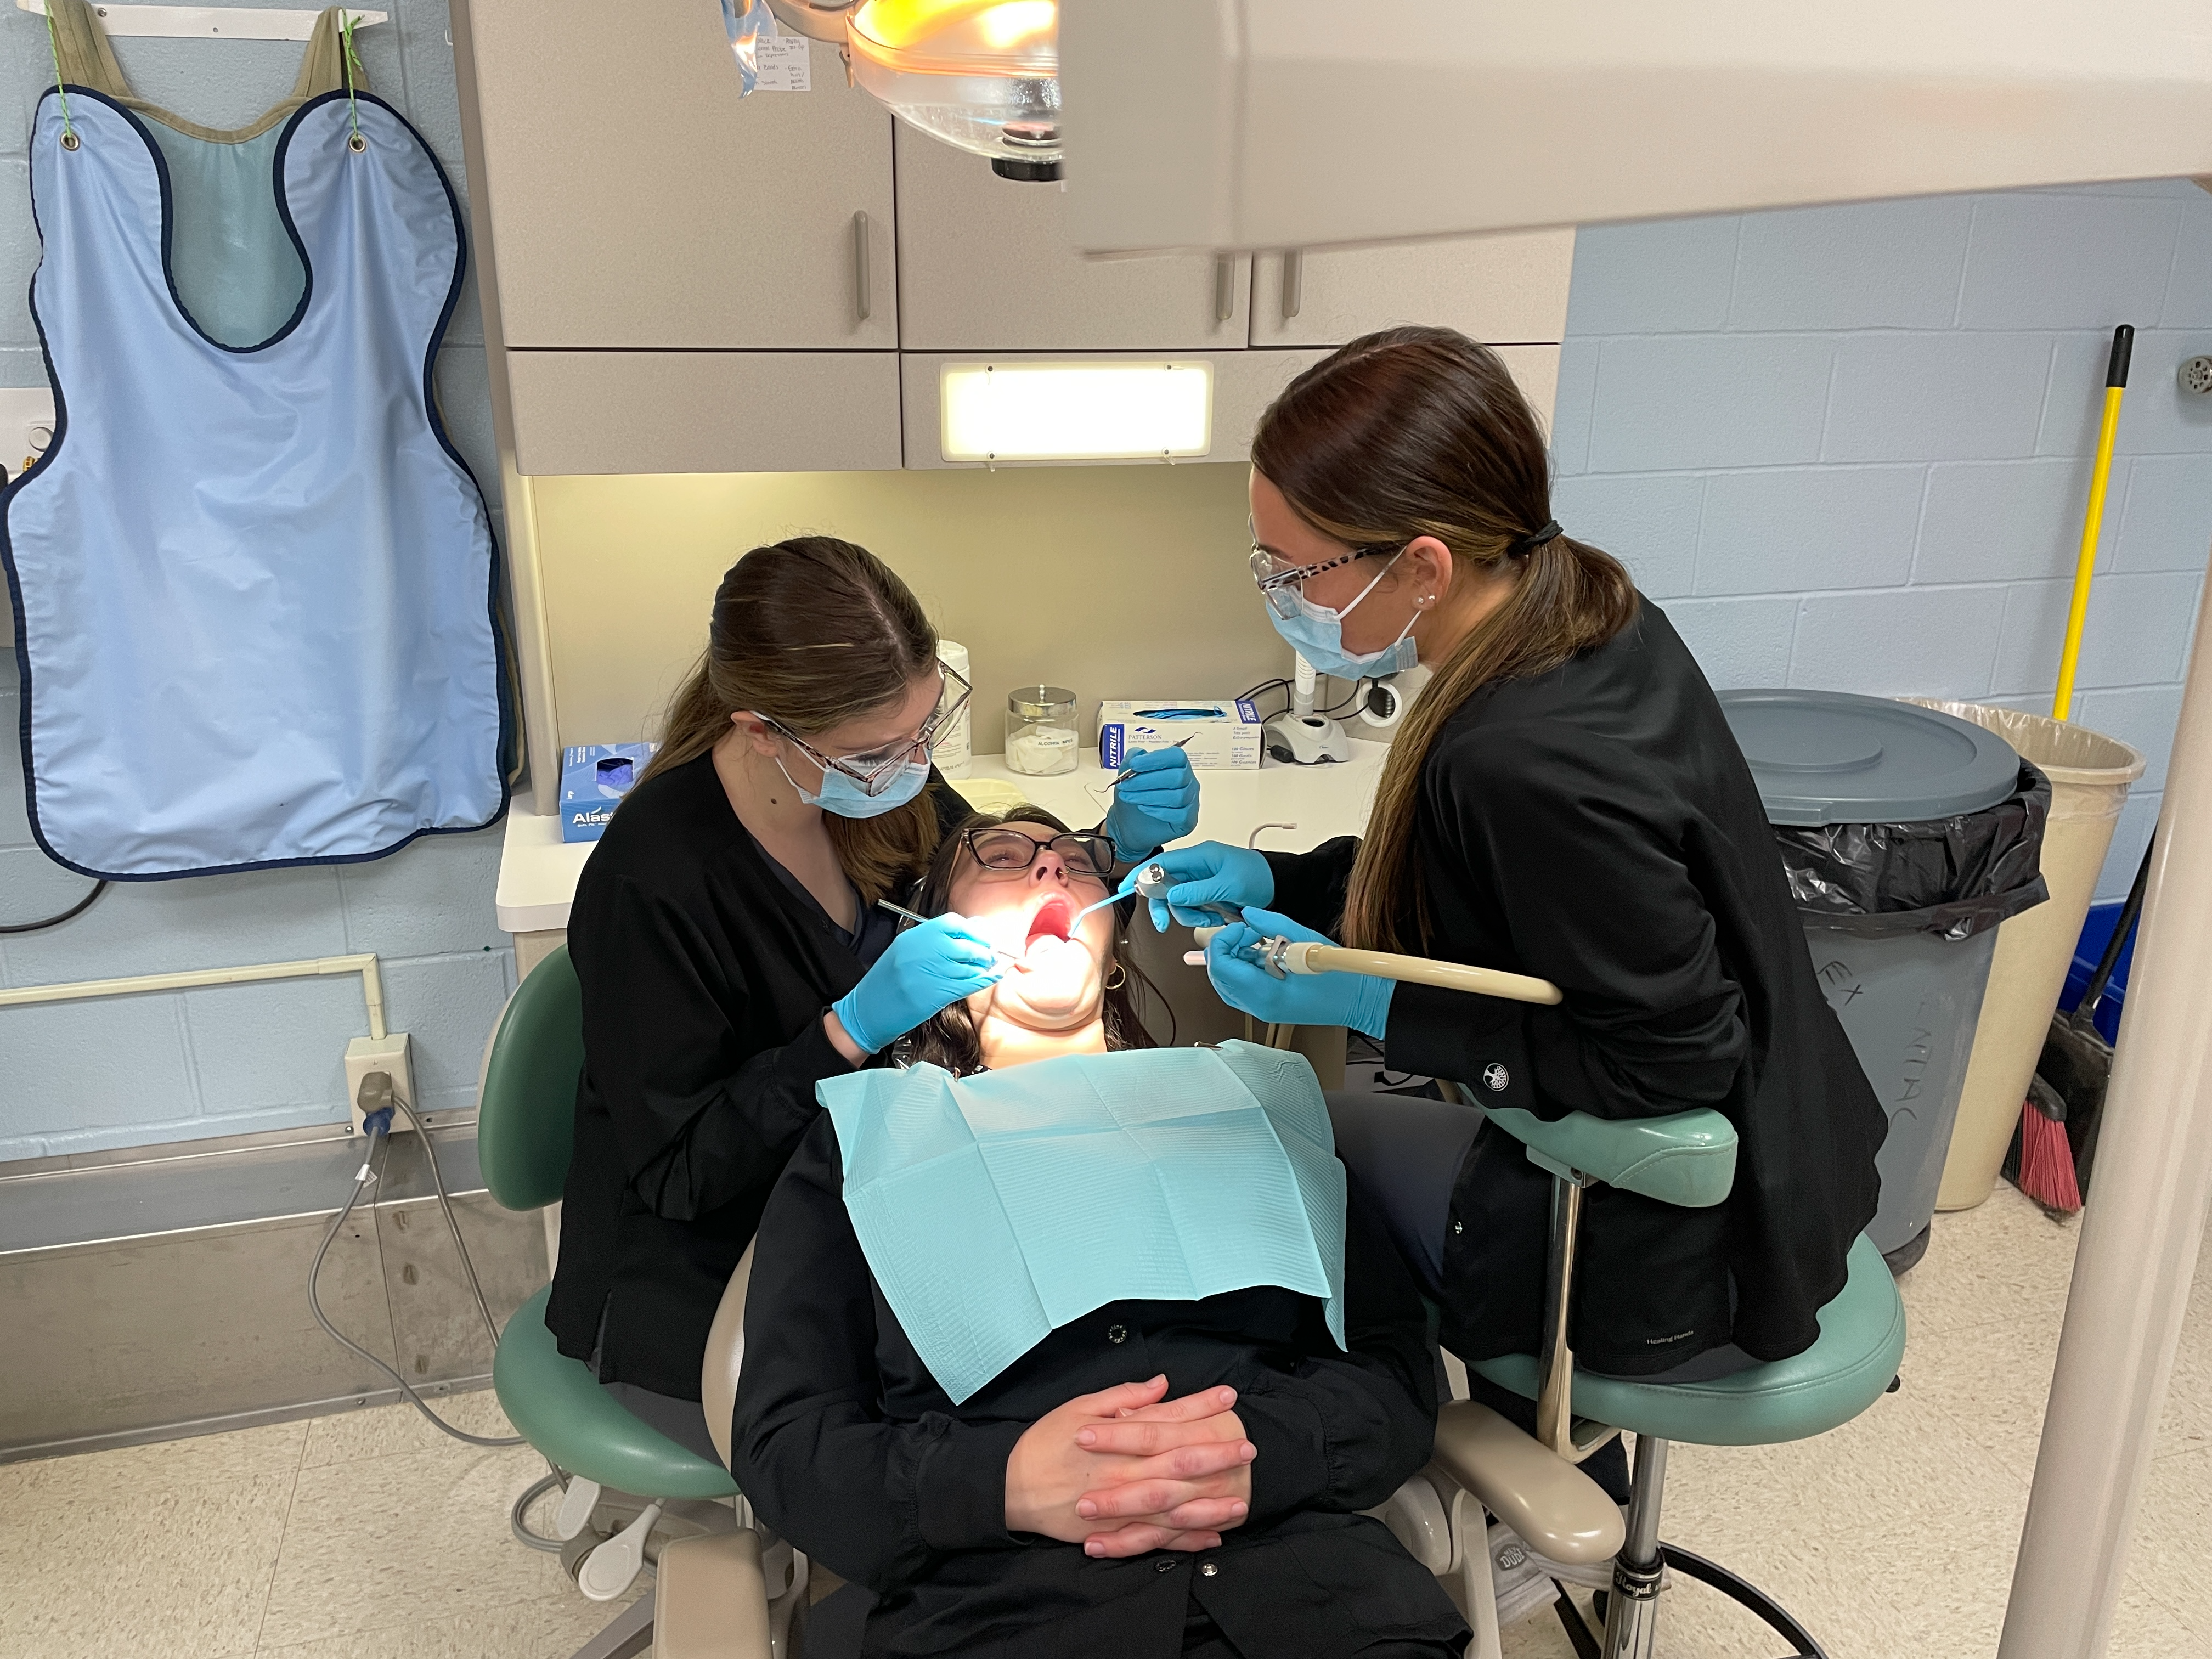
pixel 1211 873
pixel 1155 806
pixel 1358 1001
pixel 927 968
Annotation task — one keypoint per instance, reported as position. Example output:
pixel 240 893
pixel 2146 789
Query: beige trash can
pixel 2089 777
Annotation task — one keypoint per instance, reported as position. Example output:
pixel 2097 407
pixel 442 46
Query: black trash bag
pixel 1951 878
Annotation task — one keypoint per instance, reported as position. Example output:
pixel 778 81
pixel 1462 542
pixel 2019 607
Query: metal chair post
pixel 1555 1396
pixel 1632 1618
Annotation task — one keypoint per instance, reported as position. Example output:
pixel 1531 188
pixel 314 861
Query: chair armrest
pixel 725 1355
pixel 1559 1509
pixel 710 1599
pixel 1686 1158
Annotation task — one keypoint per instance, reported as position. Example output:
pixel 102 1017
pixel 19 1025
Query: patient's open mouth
pixel 1052 919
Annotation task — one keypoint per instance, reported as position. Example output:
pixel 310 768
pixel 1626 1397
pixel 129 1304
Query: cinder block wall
pixel 1849 448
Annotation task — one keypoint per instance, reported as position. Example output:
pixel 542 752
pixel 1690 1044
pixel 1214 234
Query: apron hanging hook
pixel 355 142
pixel 61 85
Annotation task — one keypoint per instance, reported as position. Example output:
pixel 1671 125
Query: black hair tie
pixel 1535 538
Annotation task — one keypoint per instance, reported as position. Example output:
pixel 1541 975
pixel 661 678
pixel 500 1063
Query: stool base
pixel 1747 1596
pixel 1638 1622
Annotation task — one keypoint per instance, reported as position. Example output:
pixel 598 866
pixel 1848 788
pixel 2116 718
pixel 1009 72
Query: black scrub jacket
pixel 705 972
pixel 844 1441
pixel 1597 826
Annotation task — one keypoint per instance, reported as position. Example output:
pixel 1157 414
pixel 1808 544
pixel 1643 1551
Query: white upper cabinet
pixel 636 200
pixel 1504 289
pixel 985 265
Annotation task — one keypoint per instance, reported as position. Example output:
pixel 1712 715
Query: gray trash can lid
pixel 1835 757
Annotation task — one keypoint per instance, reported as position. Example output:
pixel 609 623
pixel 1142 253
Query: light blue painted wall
pixel 1842 446
pixel 1849 448
pixel 143 1069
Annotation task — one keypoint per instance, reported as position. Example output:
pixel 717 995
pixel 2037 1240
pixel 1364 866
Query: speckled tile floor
pixel 369 1536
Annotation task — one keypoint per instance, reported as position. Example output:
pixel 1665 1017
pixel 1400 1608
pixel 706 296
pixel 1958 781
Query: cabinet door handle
pixel 1294 282
pixel 863 288
pixel 1225 286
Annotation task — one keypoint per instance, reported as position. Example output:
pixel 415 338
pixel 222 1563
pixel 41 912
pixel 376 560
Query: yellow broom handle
pixel 2116 383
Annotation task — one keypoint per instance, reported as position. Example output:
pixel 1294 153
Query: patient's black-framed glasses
pixel 1006 850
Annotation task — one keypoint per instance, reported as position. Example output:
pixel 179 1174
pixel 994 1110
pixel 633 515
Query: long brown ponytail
pixel 1417 432
pixel 813 632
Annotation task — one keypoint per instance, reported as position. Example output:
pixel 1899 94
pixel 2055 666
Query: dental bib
pixel 994 1209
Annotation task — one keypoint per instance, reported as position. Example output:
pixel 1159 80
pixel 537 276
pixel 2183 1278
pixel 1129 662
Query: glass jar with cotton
pixel 1040 730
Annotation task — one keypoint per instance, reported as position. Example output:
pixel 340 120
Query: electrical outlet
pixel 27 426
pixel 391 1055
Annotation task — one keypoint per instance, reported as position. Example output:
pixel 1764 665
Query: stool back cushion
pixel 526 1109
pixel 1688 1158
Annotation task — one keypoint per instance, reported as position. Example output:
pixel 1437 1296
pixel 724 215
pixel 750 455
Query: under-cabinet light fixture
pixel 1088 411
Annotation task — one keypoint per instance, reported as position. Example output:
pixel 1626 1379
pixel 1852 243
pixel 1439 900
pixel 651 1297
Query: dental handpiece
pixel 1153 881
pixel 916 916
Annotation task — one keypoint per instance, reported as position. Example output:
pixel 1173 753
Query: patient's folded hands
pixel 1126 1471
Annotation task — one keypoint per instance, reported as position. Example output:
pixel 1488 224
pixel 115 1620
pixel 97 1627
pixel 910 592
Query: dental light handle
pixel 1284 956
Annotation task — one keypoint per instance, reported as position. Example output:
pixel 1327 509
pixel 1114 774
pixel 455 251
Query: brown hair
pixel 949 1038
pixel 1416 432
pixel 813 632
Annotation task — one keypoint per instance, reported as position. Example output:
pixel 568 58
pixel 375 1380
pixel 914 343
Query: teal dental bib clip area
pixel 994 1209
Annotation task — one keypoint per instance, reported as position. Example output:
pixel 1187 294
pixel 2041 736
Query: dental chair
pixel 743 1596
pixel 628 1491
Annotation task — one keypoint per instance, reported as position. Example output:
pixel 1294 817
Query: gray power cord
pixel 378 1101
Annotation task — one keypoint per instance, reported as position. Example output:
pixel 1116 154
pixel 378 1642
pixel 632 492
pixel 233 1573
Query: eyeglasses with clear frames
pixel 875 770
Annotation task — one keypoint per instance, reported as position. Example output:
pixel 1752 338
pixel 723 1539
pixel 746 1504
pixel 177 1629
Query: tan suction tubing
pixel 1303 957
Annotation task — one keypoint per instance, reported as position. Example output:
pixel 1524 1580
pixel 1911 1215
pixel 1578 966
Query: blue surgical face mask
pixel 846 799
pixel 1316 634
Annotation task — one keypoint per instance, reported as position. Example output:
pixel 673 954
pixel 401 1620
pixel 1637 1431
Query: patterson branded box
pixel 1223 732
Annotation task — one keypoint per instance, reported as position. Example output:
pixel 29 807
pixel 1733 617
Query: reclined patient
pixel 944 1397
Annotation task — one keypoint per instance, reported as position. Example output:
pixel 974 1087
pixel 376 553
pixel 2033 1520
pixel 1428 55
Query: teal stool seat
pixel 557 1405
pixel 1861 1343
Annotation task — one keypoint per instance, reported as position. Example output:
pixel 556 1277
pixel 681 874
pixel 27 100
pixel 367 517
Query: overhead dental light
pixel 982 75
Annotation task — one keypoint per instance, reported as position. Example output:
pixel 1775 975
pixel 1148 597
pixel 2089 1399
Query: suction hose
pixel 1285 956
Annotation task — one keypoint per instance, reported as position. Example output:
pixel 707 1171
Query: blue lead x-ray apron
pixel 253 582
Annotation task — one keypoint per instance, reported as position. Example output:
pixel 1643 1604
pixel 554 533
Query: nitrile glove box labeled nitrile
pixel 1223 733
pixel 594 777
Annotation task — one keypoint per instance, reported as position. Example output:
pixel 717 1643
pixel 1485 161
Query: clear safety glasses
pixel 875 770
pixel 1281 580
pixel 1011 849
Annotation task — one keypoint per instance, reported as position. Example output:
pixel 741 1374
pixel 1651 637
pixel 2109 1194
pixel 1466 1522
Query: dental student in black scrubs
pixel 1564 799
pixel 731 955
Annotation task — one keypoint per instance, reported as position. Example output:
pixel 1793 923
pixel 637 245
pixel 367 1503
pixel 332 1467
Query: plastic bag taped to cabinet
pixel 254 581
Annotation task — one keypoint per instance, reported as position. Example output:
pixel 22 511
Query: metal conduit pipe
pixel 2140 1235
pixel 372 984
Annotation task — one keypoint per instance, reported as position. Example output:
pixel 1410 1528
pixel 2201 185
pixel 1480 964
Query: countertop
pixel 538 870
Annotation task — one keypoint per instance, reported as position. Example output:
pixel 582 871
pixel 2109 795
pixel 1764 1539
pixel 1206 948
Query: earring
pixel 1116 984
